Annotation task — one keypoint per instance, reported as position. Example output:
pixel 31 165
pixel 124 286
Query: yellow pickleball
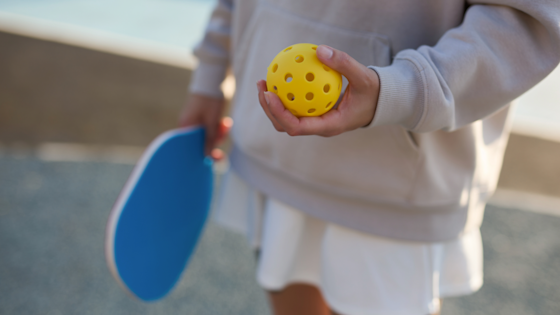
pixel 304 84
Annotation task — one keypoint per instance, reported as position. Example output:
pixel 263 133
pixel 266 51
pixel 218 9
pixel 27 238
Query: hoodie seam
pixel 419 160
pixel 421 71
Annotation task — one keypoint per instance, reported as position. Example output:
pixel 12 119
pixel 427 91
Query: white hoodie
pixel 449 69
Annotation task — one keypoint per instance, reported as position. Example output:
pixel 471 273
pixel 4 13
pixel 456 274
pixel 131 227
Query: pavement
pixel 52 224
pixel 52 220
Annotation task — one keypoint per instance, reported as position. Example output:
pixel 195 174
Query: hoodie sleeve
pixel 213 52
pixel 501 50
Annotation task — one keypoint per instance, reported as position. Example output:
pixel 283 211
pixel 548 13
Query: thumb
pixel 355 72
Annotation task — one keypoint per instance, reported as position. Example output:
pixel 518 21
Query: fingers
pixel 261 86
pixel 215 135
pixel 327 125
pixel 357 74
pixel 223 129
pixel 211 136
pixel 187 118
pixel 205 111
pixel 330 124
pixel 212 141
pixel 217 154
pixel 288 122
pixel 217 129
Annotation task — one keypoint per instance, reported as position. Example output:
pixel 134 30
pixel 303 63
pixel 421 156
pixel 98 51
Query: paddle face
pixel 158 218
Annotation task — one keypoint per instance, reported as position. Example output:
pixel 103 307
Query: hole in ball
pixel 288 77
pixel 314 48
pixel 312 110
pixel 291 97
pixel 329 104
pixel 285 50
pixel 310 77
pixel 274 68
pixel 299 59
pixel 327 88
pixel 326 68
pixel 309 96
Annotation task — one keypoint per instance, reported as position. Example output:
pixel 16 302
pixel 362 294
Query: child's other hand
pixel 207 112
pixel 356 109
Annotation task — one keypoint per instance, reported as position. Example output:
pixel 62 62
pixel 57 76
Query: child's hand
pixel 207 112
pixel 356 109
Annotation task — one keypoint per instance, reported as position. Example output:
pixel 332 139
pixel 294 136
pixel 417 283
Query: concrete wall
pixel 61 93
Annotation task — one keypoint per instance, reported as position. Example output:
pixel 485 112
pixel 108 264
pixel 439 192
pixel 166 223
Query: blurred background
pixel 85 85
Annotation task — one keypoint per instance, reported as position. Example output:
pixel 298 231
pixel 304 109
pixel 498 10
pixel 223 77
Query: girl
pixel 374 207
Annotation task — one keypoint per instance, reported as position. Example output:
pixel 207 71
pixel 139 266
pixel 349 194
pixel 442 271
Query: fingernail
pixel 266 98
pixel 325 52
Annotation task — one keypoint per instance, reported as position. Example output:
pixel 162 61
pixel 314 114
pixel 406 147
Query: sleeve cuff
pixel 401 96
pixel 207 80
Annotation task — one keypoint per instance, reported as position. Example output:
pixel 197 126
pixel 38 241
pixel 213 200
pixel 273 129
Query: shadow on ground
pixel 52 220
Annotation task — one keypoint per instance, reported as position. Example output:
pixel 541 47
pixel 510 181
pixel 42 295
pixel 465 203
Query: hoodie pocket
pixel 272 29
pixel 369 163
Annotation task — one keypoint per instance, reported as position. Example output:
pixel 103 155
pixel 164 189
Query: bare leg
pixel 299 299
pixel 438 313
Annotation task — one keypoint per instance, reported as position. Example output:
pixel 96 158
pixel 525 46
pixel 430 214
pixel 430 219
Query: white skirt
pixel 357 273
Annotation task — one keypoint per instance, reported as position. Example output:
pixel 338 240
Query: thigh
pixel 298 299
pixel 301 299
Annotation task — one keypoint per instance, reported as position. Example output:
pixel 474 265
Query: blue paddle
pixel 157 219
